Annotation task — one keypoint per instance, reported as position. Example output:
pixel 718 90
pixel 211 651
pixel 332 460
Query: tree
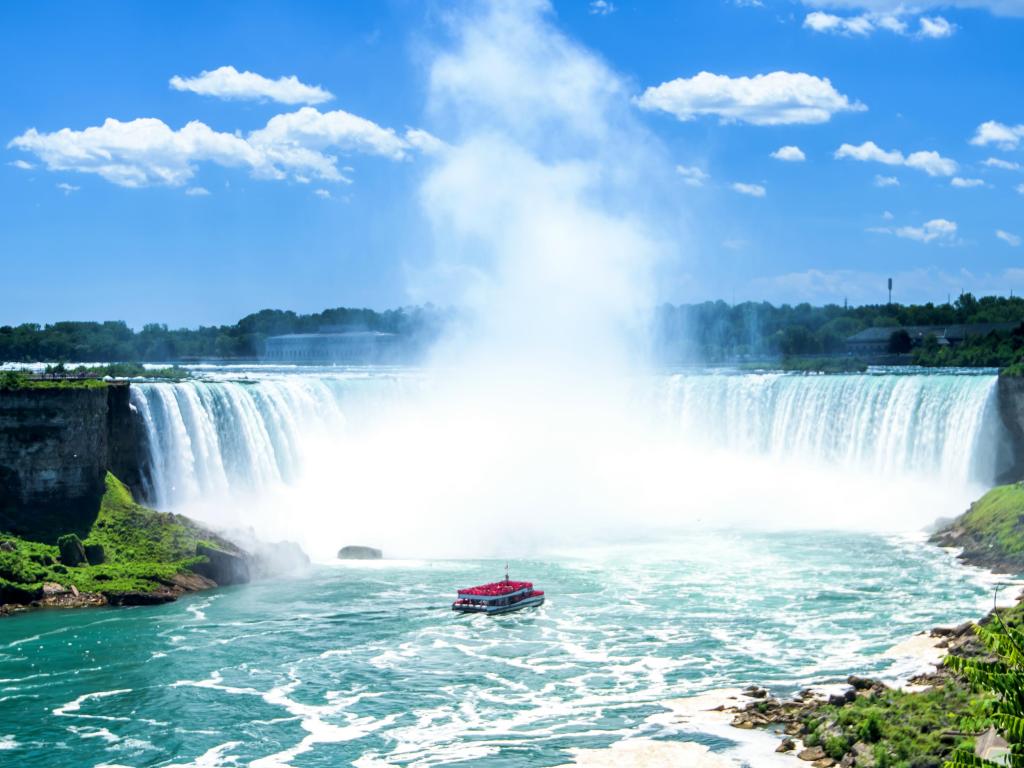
pixel 1004 678
pixel 900 342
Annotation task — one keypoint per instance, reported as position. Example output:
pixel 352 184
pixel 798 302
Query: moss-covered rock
pixel 991 532
pixel 131 555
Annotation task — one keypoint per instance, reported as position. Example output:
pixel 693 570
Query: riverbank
pixel 129 555
pixel 916 723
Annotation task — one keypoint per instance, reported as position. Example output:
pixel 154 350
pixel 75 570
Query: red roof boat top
pixel 497 588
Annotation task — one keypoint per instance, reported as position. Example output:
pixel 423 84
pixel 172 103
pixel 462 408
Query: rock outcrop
pixel 357 552
pixel 1010 396
pixel 56 446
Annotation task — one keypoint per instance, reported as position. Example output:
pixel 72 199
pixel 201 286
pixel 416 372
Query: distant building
pixel 875 341
pixel 333 347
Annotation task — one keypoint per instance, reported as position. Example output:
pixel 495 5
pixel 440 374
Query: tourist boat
pixel 498 597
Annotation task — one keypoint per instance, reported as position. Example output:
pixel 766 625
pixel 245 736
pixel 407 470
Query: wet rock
pixel 191 582
pixel 825 762
pixel 810 754
pixel 860 683
pixel 222 566
pixel 787 745
pixel 52 588
pixel 142 598
pixel 359 552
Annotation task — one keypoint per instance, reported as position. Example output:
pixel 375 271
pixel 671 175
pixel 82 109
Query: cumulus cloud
pixel 1020 189
pixel 66 188
pixel 777 98
pixel 1006 165
pixel 692 175
pixel 754 190
pixel 424 141
pixel 886 181
pixel 940 230
pixel 197 192
pixel 930 162
pixel 1002 135
pixel 601 7
pixel 23 165
pixel 1008 237
pixel 963 183
pixel 229 83
pixel 146 151
pixel 324 193
pixel 862 25
pixel 789 154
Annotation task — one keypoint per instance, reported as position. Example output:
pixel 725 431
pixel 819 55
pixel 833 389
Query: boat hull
pixel 494 610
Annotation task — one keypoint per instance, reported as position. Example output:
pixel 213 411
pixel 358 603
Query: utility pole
pixel 890 290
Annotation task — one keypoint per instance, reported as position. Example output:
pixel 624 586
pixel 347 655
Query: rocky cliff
pixel 56 446
pixel 1011 410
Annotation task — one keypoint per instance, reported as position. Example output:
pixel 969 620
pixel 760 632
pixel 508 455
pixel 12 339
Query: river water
pixel 777 541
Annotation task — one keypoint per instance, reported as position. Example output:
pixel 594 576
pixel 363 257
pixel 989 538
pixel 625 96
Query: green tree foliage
pixel 1002 676
pixel 114 341
pixel 900 342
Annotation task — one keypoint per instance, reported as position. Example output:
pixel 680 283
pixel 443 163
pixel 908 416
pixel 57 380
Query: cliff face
pixel 1011 410
pixel 56 446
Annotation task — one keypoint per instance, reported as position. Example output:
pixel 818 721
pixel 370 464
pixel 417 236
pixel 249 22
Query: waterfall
pixel 216 437
pixel 928 424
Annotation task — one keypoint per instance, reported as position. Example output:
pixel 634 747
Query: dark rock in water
pixel 94 554
pixel 787 745
pixel 72 552
pixel 356 552
pixel 142 598
pixel 222 566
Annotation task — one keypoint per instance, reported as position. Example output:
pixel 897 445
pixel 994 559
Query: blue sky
pixel 308 193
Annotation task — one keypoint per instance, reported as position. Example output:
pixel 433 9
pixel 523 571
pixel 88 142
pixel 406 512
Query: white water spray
pixel 538 425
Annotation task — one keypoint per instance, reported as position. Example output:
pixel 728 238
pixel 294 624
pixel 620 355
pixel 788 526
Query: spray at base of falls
pixel 387 460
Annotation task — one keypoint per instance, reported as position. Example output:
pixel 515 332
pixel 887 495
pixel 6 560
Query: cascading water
pixel 224 438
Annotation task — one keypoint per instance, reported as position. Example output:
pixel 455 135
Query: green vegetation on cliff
pixel 129 548
pixel 991 532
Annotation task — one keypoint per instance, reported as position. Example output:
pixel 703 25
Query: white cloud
pixel 692 175
pixel 777 98
pixel 998 7
pixel 324 193
pixel 229 83
pixel 754 190
pixel 601 7
pixel 425 142
pixel 887 215
pixel 827 22
pixel 930 162
pixel 862 25
pixel 886 181
pixel 935 27
pixel 1020 189
pixel 790 154
pixel 963 183
pixel 1002 135
pixel 146 151
pixel 1008 237
pixel 66 188
pixel 941 230
pixel 1006 165
pixel 22 164
pixel 197 192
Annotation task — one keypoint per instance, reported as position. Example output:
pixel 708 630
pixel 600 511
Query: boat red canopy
pixel 497 588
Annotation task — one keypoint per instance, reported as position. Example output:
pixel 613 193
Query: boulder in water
pixel 357 552
pixel 222 566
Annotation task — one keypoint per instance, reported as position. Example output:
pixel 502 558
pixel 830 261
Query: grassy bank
pixel 991 532
pixel 128 549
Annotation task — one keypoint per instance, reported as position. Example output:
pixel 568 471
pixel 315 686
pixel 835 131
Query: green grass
pixel 14 380
pixel 898 727
pixel 997 519
pixel 143 550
